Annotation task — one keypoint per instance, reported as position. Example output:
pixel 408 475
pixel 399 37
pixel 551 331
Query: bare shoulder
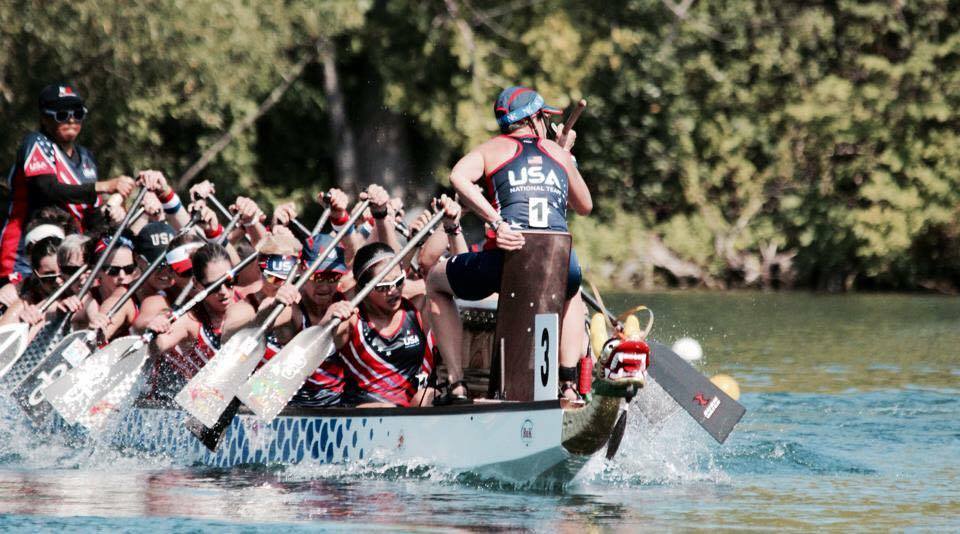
pixel 554 149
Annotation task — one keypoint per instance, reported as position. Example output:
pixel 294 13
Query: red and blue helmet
pixel 517 103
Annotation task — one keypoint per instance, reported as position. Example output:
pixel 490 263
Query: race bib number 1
pixel 538 213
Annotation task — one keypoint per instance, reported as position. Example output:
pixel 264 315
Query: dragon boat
pixel 520 434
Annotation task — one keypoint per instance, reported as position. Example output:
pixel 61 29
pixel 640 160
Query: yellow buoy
pixel 631 327
pixel 727 384
pixel 598 333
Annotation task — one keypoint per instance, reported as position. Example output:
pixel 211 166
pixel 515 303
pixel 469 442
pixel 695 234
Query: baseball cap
pixel 58 97
pixel 335 261
pixel 153 239
pixel 516 103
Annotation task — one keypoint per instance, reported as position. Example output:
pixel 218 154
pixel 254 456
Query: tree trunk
pixel 346 156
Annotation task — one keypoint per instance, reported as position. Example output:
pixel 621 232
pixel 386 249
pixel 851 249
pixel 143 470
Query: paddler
pixel 387 349
pixel 51 169
pixel 526 182
pixel 195 337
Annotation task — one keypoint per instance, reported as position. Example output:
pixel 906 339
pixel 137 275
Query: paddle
pixel 13 338
pixel 36 353
pixel 92 392
pixel 272 387
pixel 208 393
pixel 709 406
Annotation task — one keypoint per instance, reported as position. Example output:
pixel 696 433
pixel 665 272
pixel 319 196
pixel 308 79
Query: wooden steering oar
pixel 13 338
pixel 212 389
pixel 709 406
pixel 272 387
pixel 103 393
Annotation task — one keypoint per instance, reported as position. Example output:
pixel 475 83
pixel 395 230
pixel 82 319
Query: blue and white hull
pixel 512 442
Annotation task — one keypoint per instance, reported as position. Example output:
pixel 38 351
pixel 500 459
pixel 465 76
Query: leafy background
pixel 727 143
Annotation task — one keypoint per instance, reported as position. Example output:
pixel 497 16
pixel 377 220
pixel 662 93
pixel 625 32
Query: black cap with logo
pixel 58 97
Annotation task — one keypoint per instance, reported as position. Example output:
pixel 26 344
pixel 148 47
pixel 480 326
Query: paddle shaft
pixel 60 290
pixel 278 308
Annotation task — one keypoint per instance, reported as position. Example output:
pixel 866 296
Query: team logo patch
pixel 37 163
pixel 65 91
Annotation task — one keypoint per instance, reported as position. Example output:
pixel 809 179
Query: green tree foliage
pixel 728 144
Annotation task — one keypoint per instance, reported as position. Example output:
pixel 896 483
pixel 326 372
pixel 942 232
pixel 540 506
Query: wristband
pixel 496 224
pixel 171 202
pixel 340 221
pixel 455 230
pixel 379 214
pixel 215 233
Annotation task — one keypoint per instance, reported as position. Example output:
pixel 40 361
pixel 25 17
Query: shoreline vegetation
pixel 731 145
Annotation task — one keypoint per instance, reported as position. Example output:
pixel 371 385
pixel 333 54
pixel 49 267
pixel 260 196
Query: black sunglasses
pixel 397 283
pixel 65 115
pixel 69 270
pixel 114 270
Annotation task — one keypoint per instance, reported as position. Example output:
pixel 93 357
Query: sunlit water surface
pixel 853 422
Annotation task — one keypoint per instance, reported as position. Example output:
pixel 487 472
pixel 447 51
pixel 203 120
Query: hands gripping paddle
pixel 709 406
pixel 272 387
pixel 102 394
pixel 13 337
pixel 209 393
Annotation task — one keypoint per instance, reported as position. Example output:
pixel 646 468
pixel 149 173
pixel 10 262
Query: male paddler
pixel 526 182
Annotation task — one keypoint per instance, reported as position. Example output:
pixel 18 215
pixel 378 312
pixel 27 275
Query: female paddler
pixel 194 338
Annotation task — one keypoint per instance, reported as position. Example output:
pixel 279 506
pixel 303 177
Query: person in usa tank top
pixel 189 343
pixel 387 350
pixel 519 180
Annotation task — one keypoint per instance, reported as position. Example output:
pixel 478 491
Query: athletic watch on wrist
pixel 496 224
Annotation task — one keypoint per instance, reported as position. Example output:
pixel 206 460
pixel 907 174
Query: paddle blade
pixel 36 351
pixel 272 387
pixel 29 393
pixel 616 436
pixel 209 393
pixel 212 437
pixel 128 376
pixel 76 391
pixel 13 341
pixel 709 406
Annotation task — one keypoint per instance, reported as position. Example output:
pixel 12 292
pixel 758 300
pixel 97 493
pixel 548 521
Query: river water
pixel 853 422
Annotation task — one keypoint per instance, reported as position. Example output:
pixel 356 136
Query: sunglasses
pixel 69 270
pixel 329 277
pixel 45 277
pixel 65 115
pixel 227 284
pixel 397 283
pixel 114 270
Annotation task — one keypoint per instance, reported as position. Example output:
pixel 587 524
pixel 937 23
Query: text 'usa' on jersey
pixel 530 189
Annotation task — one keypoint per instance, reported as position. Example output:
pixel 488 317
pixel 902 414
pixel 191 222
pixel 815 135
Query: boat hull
pixel 512 442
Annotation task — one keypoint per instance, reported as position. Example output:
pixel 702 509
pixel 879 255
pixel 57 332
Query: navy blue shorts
pixel 476 275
